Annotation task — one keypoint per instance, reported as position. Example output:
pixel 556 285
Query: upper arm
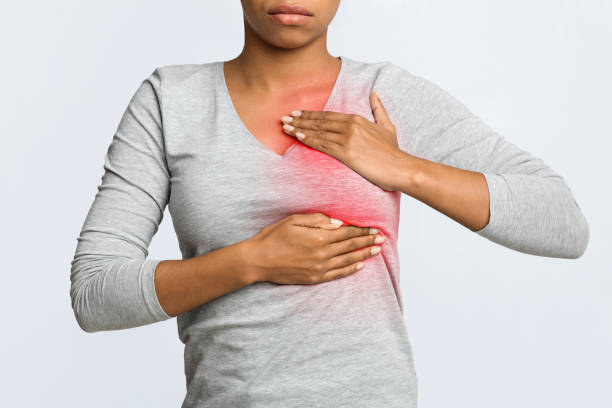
pixel 112 281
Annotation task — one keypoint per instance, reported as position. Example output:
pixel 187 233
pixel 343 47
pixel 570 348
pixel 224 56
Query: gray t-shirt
pixel 342 343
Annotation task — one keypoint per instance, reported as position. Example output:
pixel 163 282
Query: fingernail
pixel 375 250
pixel 300 135
pixel 288 127
pixel 379 239
pixel 373 231
pixel 286 118
pixel 335 221
pixel 296 113
pixel 360 265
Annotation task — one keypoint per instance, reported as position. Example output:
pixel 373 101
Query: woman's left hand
pixel 368 148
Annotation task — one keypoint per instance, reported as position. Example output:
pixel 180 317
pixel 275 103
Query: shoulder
pixel 400 82
pixel 416 96
pixel 174 76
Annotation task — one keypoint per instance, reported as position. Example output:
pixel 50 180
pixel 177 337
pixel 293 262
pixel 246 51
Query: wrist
pixel 248 255
pixel 407 172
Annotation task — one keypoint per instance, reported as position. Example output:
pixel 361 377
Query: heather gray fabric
pixel 340 344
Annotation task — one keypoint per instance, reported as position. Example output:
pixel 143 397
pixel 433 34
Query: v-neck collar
pixel 222 85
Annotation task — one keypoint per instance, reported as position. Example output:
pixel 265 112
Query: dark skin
pixel 279 68
pixel 371 149
pixel 284 68
pixel 273 73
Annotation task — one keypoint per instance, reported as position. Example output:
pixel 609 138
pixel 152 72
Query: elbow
pixel 82 313
pixel 83 322
pixel 580 240
pixel 113 293
pixel 574 236
pixel 83 296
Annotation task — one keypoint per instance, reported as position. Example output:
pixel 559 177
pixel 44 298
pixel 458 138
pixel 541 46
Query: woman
pixel 282 170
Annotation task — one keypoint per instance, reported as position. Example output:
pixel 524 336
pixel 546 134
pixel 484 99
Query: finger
pixel 380 113
pixel 348 232
pixel 330 115
pixel 353 256
pixel 316 124
pixel 348 245
pixel 341 272
pixel 315 220
pixel 319 139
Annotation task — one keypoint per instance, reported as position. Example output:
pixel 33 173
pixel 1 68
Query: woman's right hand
pixel 309 249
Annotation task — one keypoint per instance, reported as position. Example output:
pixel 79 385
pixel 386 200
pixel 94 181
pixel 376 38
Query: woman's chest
pixel 226 185
pixel 225 194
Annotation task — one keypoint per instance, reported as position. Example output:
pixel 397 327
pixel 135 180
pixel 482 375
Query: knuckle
pixel 332 264
pixel 362 230
pixel 356 242
pixel 361 255
pixel 351 232
pixel 319 268
pixel 353 127
pixel 349 245
pixel 319 255
pixel 319 238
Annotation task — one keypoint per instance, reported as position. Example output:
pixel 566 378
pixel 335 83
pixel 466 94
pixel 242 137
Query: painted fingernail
pixel 359 265
pixel 379 239
pixel 375 250
pixel 300 135
pixel 373 231
pixel 288 127
pixel 296 113
pixel 335 221
pixel 286 118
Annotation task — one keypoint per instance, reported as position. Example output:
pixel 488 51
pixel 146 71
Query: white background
pixel 490 327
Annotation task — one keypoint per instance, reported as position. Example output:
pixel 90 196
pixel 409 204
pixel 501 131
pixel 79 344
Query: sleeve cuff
pixel 496 207
pixel 150 295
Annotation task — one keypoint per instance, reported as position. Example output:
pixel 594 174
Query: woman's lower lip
pixel 290 19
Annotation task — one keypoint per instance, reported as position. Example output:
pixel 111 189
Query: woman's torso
pixel 339 343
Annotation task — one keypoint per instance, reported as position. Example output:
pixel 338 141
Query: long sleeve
pixel 112 284
pixel 532 209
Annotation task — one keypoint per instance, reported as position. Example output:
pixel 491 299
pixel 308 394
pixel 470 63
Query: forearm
pixel 530 207
pixel 532 212
pixel 182 285
pixel 460 194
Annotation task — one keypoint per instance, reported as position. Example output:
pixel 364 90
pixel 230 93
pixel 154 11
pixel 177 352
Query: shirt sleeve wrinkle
pixel 532 209
pixel 112 280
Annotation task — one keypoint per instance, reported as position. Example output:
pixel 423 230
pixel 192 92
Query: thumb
pixel 379 111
